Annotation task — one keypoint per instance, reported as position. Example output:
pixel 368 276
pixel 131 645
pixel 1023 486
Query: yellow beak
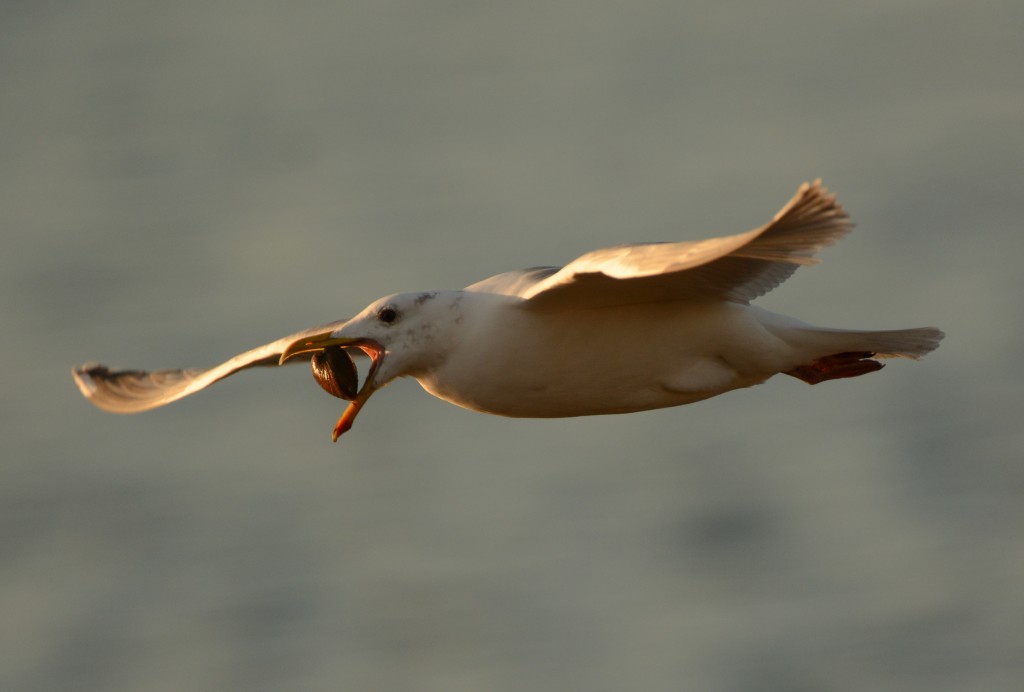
pixel 315 342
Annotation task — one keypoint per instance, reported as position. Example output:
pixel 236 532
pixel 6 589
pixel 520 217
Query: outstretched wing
pixel 131 391
pixel 737 268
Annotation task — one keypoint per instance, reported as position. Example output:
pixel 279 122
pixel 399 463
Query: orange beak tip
pixel 344 423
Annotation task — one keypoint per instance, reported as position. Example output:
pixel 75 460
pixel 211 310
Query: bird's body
pixel 618 330
pixel 487 356
pixel 698 349
pixel 677 363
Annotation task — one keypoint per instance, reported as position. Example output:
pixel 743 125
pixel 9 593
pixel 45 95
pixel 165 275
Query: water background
pixel 182 181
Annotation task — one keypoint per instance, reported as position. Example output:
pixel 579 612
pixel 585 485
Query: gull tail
pixel 840 353
pixel 902 343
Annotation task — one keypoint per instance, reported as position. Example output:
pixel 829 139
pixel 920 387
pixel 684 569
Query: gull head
pixel 403 334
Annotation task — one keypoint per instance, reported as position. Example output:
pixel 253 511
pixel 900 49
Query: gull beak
pixel 318 342
pixel 312 343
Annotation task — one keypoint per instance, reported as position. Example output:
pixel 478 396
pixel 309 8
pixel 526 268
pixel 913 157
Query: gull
pixel 621 329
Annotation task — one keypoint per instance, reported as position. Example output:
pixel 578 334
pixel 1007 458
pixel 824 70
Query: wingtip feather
pixel 83 379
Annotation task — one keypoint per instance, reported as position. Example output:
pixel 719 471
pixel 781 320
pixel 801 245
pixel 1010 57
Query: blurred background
pixel 182 181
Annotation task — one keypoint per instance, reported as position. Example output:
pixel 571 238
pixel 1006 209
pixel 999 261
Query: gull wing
pixel 131 391
pixel 737 268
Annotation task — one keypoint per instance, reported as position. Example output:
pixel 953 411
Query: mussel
pixel 334 370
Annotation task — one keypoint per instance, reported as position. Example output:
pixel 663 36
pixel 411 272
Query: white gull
pixel 621 329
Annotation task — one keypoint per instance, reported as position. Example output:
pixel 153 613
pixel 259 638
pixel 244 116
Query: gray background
pixel 182 181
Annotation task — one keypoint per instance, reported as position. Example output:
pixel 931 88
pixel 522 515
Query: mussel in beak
pixel 334 370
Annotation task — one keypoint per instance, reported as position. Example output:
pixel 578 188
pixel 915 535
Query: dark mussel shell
pixel 334 370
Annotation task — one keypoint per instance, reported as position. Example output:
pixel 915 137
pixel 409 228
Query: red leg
pixel 836 367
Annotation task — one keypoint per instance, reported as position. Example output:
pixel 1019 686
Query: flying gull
pixel 621 329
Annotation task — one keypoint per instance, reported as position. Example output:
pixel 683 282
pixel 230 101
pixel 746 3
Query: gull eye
pixel 387 314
